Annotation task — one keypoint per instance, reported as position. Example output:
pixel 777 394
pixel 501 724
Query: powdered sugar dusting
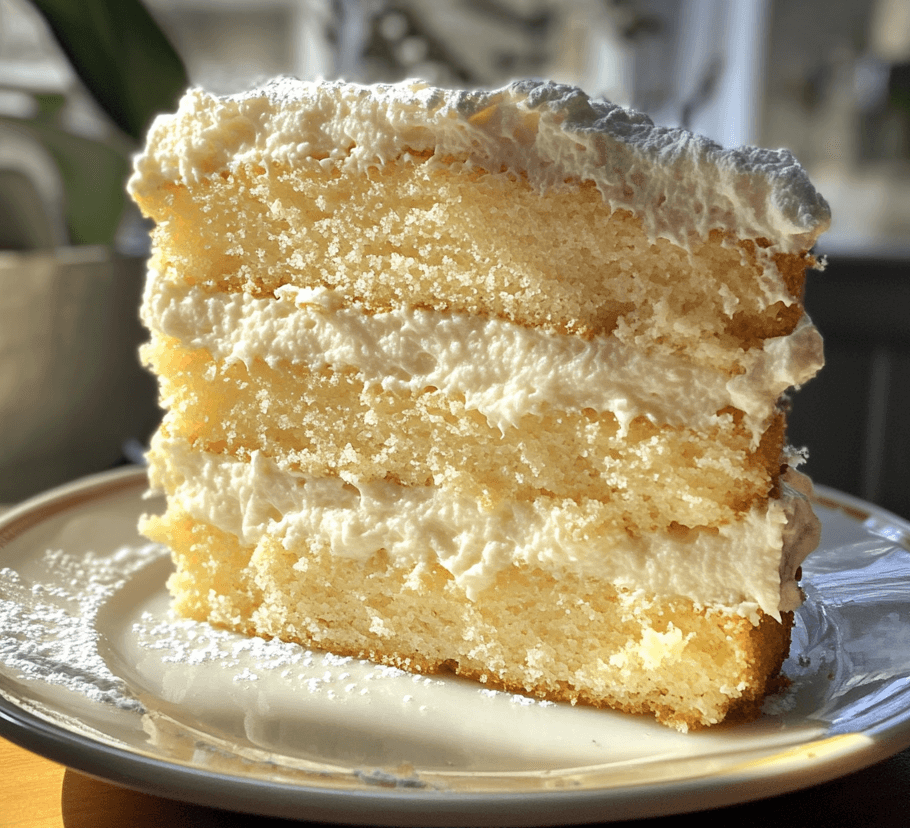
pixel 189 643
pixel 48 618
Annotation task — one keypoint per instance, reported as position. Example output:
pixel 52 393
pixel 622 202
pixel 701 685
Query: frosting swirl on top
pixel 679 184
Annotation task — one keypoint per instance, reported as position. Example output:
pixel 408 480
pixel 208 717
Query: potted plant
pixel 71 389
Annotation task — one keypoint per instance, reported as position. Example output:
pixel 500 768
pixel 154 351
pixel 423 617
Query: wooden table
pixel 36 793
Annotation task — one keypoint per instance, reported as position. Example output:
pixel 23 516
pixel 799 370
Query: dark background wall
pixel 853 416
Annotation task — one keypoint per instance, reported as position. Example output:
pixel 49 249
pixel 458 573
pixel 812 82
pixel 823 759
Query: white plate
pixel 95 674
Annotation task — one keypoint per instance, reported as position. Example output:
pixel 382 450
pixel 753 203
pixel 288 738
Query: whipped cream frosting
pixel 801 534
pixel 681 185
pixel 503 370
pixel 420 525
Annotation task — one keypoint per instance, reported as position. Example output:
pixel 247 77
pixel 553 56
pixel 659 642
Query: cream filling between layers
pixel 741 568
pixel 502 369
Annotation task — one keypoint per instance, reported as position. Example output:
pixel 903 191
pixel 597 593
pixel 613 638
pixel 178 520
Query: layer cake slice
pixel 490 382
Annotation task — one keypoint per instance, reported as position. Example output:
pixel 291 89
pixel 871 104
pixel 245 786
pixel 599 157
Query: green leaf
pixel 93 174
pixel 121 55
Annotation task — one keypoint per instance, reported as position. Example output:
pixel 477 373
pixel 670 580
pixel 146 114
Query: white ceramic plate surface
pixel 96 674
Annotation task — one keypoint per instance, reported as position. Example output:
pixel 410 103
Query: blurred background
pixel 829 79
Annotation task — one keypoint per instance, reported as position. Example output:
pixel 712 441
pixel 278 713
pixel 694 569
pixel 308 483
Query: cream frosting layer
pixel 679 184
pixel 502 369
pixel 741 568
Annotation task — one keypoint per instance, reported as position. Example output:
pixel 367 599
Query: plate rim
pixel 380 804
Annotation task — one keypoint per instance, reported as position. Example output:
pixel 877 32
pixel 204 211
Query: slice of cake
pixel 486 382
